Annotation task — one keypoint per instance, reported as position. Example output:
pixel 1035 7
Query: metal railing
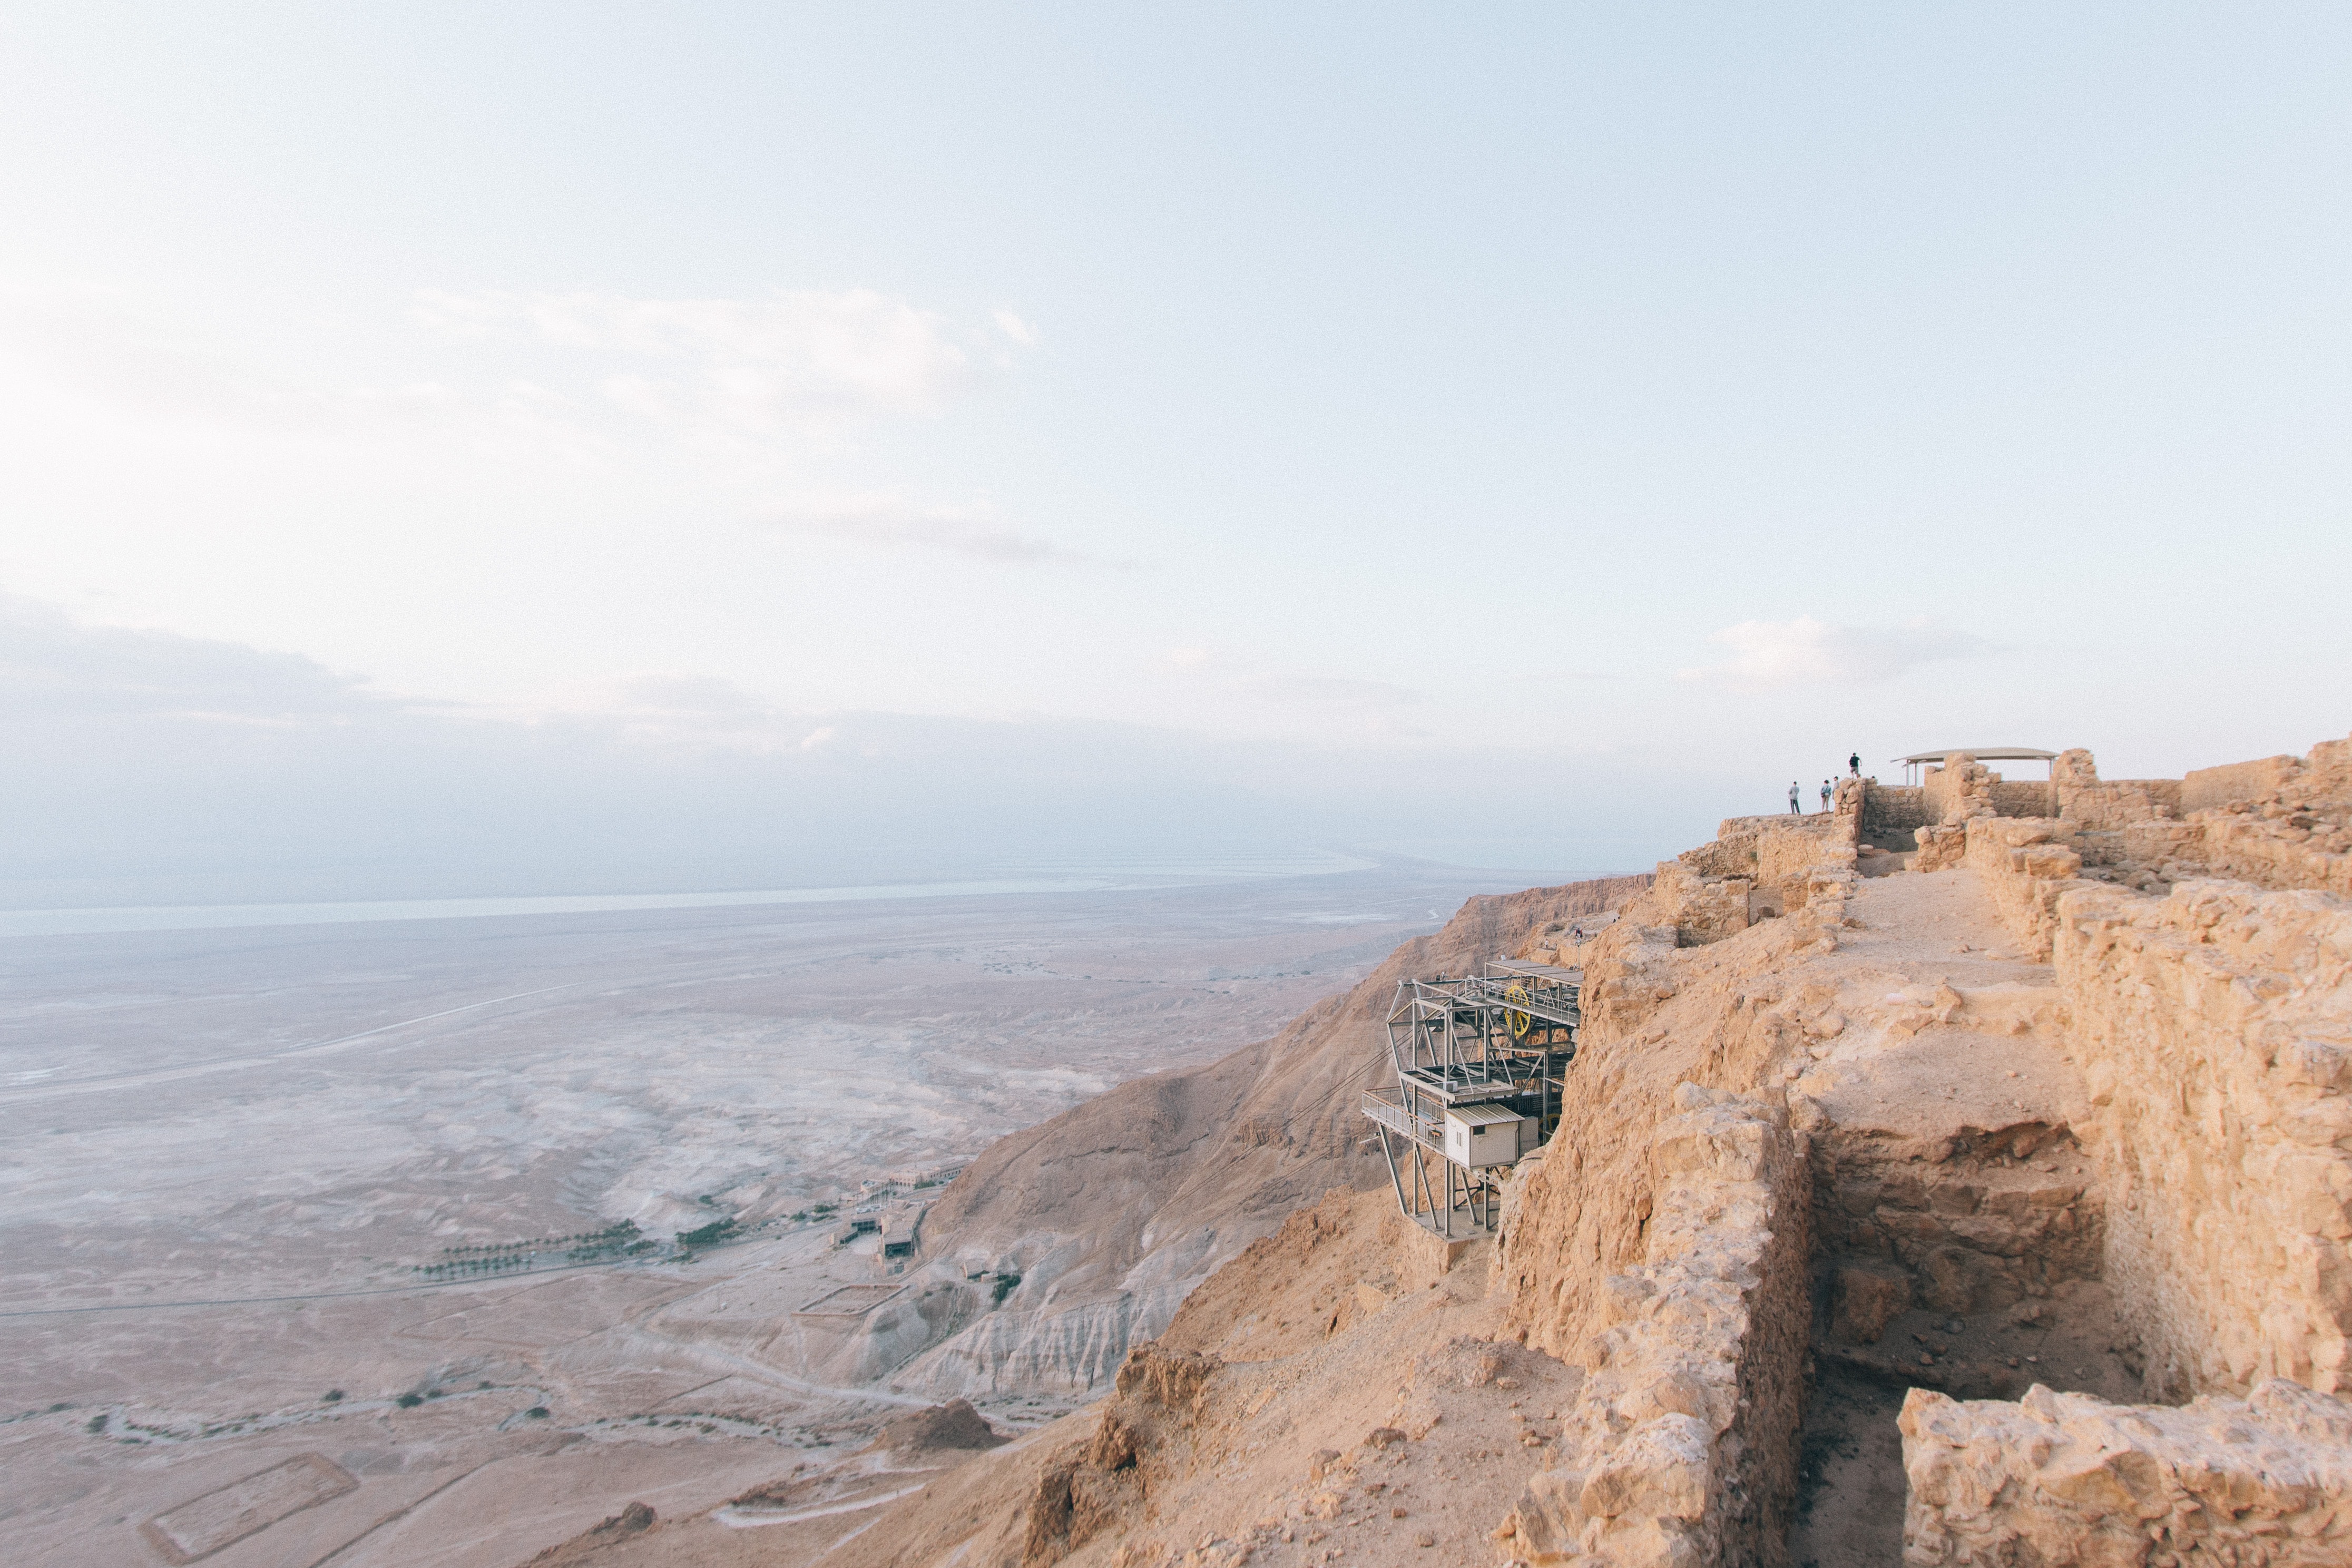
pixel 1386 1107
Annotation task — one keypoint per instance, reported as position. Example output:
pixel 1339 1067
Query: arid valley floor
pixel 227 1152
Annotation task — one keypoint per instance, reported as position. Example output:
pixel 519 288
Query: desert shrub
pixel 333 1396
pixel 409 1401
pixel 704 1235
pixel 1005 1285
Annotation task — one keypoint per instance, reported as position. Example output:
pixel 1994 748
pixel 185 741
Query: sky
pixel 456 450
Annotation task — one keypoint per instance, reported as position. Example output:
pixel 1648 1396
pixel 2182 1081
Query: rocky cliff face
pixel 1113 1212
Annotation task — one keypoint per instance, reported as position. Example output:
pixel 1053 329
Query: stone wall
pixel 2082 798
pixel 1964 787
pixel 1788 852
pixel 1709 907
pixel 2212 1029
pixel 1957 791
pixel 1756 865
pixel 1680 1449
pixel 1892 813
pixel 2067 1479
pixel 2023 797
pixel 2279 822
pixel 1663 1243
pixel 2206 788
pixel 2298 836
pixel 1731 853
pixel 2026 862
pixel 2214 1032
pixel 1964 1223
pixel 2213 1023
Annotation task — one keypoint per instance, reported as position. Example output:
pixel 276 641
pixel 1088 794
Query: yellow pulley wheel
pixel 1520 1022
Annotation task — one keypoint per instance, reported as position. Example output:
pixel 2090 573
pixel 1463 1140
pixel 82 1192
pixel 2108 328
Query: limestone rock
pixel 2065 1477
pixel 1869 1297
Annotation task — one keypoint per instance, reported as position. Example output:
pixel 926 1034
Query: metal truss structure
pixel 1480 1065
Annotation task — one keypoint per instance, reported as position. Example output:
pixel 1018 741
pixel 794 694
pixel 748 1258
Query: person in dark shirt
pixel 1853 765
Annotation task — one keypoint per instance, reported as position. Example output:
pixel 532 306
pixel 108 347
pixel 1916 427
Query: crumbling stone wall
pixel 2298 836
pixel 2212 1022
pixel 1708 907
pixel 1754 866
pixel 2295 833
pixel 1959 790
pixel 2065 1477
pixel 2213 1027
pixel 2203 789
pixel 1680 1447
pixel 2023 797
pixel 1693 1254
pixel 1788 853
pixel 2026 863
pixel 2082 798
pixel 1963 1223
pixel 1891 813
pixel 2214 1031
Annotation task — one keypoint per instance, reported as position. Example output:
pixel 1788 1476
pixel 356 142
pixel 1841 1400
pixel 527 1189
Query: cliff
pixel 1113 1212
pixel 1983 1201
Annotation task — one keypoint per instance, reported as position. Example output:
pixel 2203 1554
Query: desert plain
pixel 257 1181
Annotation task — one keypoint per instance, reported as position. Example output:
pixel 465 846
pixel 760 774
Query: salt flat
pixel 289 1121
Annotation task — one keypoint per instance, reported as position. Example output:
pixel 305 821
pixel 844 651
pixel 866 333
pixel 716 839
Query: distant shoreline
pixel 98 921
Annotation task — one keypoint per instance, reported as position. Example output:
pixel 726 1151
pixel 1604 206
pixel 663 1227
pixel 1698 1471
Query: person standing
pixel 1853 765
pixel 1796 799
pixel 1825 794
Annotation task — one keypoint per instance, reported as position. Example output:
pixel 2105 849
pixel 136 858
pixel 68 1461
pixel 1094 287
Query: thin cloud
pixel 1343 709
pixel 1335 691
pixel 796 358
pixel 51 663
pixel 1766 655
pixel 890 524
pixel 139 360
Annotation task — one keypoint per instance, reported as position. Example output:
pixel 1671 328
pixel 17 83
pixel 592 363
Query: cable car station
pixel 1480 1065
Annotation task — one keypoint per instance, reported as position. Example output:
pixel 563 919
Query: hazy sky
pixel 466 435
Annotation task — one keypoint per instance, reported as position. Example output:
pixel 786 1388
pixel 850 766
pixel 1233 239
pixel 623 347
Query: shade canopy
pixel 1982 754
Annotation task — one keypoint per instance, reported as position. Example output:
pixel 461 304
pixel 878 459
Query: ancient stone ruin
pixel 2063 1068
